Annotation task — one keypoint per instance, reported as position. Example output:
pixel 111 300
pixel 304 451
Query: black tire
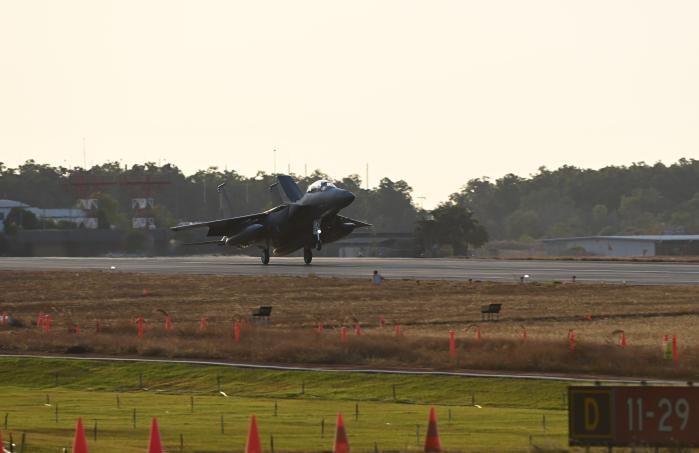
pixel 307 256
pixel 265 256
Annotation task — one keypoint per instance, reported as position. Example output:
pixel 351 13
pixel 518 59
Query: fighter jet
pixel 306 221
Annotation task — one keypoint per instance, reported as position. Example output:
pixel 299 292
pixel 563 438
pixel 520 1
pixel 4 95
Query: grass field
pixel 511 410
pixel 426 311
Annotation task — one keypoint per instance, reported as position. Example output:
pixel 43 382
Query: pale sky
pixel 433 92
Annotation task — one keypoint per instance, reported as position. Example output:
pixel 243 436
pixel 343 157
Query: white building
pixel 644 245
pixel 76 216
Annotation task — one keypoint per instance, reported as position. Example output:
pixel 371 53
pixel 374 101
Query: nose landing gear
pixel 316 234
pixel 265 256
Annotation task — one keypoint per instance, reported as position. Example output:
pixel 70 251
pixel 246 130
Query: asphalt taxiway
pixel 409 268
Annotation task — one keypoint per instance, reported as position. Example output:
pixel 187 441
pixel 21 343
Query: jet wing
pixel 228 227
pixel 357 223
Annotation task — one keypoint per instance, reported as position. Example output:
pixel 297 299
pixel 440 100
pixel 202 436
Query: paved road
pixel 424 269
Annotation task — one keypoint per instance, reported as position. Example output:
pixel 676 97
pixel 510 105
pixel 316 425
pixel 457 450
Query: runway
pixel 391 268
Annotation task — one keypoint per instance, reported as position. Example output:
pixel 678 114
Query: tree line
pixel 389 206
pixel 570 201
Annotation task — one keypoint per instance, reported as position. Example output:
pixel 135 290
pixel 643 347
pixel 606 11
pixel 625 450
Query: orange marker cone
pixel 432 442
pixel 47 324
pixel 202 324
pixel 343 334
pixel 571 340
pixel 154 445
pixel 452 344
pixel 145 292
pixel 622 342
pixel 139 321
pixel 253 443
pixel 320 327
pixel 341 443
pixel 397 330
pixel 675 351
pixel 358 329
pixel 236 331
pixel 382 321
pixel 79 443
pixel 77 330
pixel 478 333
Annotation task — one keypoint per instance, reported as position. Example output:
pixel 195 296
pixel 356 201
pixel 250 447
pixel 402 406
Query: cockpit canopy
pixel 320 186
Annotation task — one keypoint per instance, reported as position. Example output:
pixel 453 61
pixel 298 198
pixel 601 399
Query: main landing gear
pixel 307 255
pixel 265 256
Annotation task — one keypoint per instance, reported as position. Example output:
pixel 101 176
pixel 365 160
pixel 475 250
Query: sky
pixel 432 92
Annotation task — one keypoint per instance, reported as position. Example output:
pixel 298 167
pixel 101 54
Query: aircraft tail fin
pixel 291 190
pixel 276 195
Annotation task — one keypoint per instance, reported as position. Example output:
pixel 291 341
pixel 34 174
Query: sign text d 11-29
pixel 626 416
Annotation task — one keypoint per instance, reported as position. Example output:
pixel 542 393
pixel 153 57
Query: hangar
pixel 644 245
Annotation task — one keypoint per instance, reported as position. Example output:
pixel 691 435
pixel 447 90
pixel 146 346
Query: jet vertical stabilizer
pixel 291 190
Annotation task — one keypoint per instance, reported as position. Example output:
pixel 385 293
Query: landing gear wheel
pixel 307 256
pixel 265 256
pixel 319 246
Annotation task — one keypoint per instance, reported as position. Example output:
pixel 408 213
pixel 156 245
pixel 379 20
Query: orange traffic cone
pixel 154 446
pixel 432 442
pixel 79 443
pixel 341 444
pixel 253 444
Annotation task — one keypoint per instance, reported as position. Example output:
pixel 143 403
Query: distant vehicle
pixel 305 221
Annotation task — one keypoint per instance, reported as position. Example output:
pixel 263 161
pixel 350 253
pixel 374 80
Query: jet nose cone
pixel 347 197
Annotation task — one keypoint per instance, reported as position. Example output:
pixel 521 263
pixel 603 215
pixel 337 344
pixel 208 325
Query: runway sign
pixel 634 416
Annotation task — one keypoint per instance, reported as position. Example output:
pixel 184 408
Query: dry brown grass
pixel 426 311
